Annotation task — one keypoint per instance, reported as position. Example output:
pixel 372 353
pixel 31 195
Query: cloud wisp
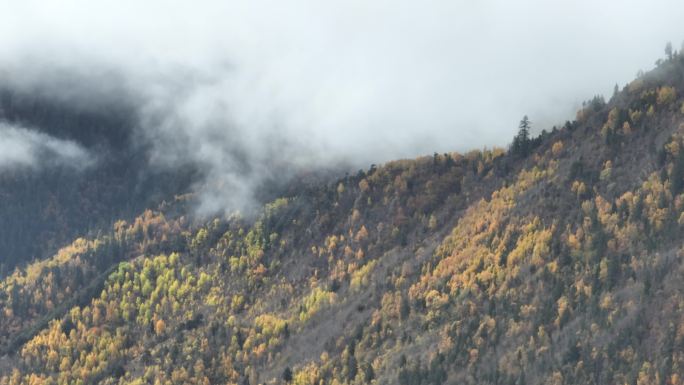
pixel 24 148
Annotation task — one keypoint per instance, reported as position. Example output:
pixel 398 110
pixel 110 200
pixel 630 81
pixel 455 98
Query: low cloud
pixel 259 90
pixel 20 147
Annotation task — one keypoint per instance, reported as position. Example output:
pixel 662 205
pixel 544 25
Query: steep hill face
pixel 557 264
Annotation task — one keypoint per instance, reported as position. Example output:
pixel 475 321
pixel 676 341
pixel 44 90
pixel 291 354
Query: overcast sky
pixel 323 80
pixel 440 74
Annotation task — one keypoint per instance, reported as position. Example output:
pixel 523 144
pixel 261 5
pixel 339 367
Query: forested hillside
pixel 557 261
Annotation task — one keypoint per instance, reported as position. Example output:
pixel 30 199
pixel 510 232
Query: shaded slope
pixel 44 208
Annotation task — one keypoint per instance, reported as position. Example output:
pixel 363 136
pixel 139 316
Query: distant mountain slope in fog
pixel 48 202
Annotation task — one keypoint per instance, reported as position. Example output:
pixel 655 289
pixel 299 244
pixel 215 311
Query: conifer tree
pixel 521 142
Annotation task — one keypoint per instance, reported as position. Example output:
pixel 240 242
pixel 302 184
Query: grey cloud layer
pixel 242 87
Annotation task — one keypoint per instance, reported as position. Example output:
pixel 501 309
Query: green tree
pixel 287 375
pixel 677 174
pixel 521 142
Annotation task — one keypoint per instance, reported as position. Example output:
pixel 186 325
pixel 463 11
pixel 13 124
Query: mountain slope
pixel 46 206
pixel 561 264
